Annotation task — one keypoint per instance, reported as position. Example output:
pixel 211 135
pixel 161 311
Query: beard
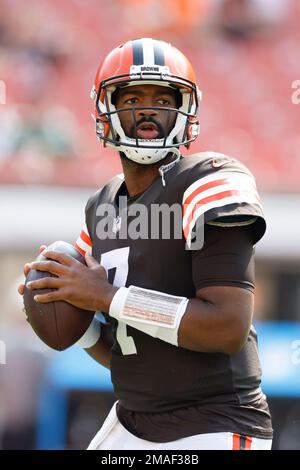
pixel 147 120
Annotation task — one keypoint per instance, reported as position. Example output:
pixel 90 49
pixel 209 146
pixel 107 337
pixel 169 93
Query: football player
pixel 178 334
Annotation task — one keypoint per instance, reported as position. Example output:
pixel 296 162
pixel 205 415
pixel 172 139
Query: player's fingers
pixel 26 268
pixel 21 289
pixel 60 257
pixel 49 297
pixel 42 248
pixel 45 283
pixel 90 261
pixel 50 266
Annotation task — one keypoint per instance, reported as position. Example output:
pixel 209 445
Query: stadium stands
pixel 247 107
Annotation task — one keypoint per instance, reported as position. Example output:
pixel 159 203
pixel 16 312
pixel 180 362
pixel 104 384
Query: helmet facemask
pixel 147 151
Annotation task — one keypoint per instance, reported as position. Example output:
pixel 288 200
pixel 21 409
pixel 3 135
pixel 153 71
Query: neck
pixel 139 177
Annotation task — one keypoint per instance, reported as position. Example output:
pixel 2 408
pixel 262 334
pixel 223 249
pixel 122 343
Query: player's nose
pixel 147 112
pixel 148 107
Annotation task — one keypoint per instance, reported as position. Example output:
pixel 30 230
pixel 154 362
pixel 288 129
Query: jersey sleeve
pixel 226 259
pixel 84 242
pixel 224 196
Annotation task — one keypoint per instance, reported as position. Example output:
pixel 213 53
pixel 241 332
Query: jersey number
pixel 118 260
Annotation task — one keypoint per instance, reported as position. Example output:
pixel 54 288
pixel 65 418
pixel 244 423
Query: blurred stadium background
pixel 246 54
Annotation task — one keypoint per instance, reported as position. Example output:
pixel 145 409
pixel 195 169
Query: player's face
pixel 146 123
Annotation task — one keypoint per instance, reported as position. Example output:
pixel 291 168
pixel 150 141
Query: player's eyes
pixel 164 102
pixel 132 100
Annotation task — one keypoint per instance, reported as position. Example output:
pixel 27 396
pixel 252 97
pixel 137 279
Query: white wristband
pixel 91 335
pixel 155 313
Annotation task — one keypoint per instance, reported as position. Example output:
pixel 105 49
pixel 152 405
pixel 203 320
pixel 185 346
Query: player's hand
pixel 85 287
pixel 26 269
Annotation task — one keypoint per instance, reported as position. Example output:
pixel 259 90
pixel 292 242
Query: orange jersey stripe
pixel 202 188
pixel 86 238
pixel 206 200
pixel 248 443
pixel 79 249
pixel 236 442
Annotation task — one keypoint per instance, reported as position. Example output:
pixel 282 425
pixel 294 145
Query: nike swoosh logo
pixel 216 164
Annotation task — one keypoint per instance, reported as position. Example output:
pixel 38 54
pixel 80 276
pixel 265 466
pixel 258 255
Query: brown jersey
pixel 155 382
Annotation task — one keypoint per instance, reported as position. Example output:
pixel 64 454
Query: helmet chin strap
pixel 164 168
pixel 168 166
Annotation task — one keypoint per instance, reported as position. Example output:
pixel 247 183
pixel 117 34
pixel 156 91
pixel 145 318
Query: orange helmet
pixel 146 61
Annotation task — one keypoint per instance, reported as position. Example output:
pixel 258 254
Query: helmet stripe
pixel 137 49
pixel 159 54
pixel 148 51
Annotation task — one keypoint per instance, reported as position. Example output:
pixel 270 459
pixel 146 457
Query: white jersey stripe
pixel 230 186
pixel 239 178
pixel 84 246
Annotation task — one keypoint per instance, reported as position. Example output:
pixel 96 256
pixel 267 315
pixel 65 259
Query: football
pixel 58 324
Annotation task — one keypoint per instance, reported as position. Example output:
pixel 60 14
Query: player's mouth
pixel 147 130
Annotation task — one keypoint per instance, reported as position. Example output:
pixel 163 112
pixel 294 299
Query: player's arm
pixel 217 320
pixel 101 351
pixel 220 315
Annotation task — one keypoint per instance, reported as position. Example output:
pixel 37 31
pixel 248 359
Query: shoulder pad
pixel 220 187
pixel 203 163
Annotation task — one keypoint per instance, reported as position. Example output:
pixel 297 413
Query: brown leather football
pixel 58 324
